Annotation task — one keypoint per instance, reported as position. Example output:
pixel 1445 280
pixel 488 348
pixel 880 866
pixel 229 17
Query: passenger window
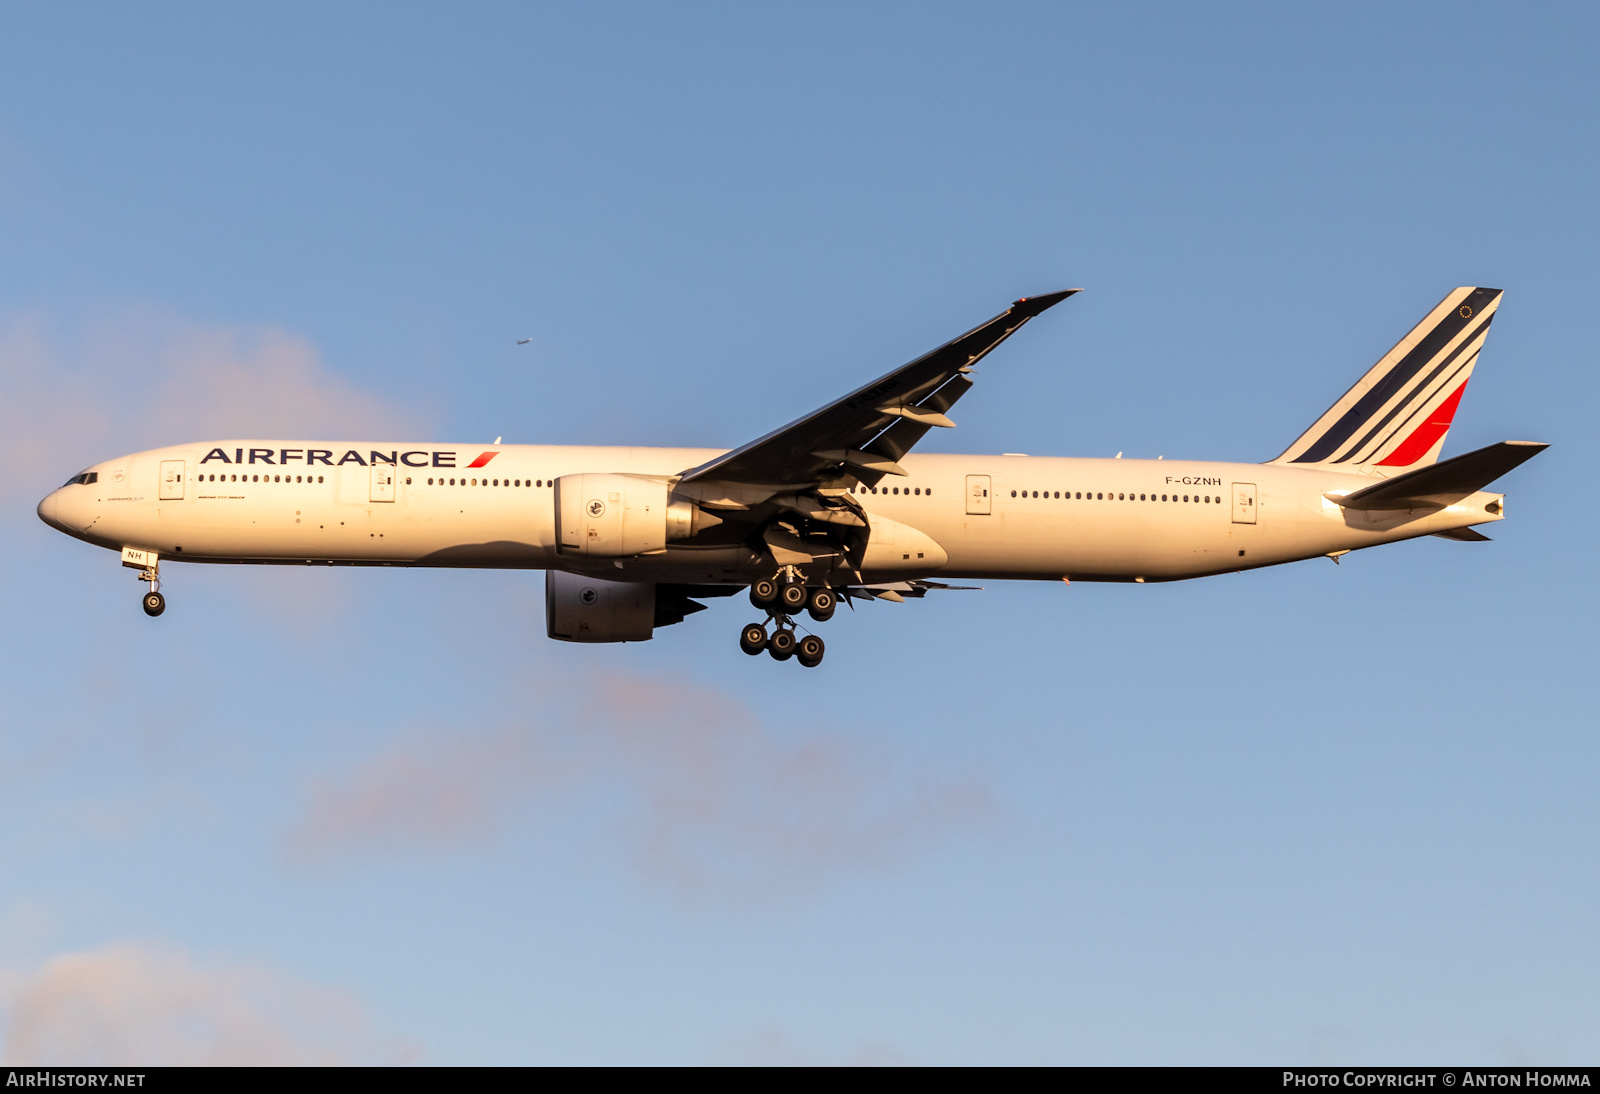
pixel 1100 497
pixel 917 491
pixel 1013 493
pixel 319 478
pixel 926 492
pixel 408 480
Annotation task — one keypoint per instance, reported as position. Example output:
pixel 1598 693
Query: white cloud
pixel 132 1004
pixel 140 380
pixel 710 796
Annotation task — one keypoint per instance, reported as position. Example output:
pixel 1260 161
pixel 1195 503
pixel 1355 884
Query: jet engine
pixel 622 516
pixel 591 609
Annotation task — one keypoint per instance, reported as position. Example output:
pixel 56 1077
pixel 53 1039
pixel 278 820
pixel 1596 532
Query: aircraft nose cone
pixel 49 510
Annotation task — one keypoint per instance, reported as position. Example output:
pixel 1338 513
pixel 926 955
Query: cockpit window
pixel 83 479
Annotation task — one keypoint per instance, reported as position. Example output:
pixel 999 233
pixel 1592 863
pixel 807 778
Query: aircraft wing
pixel 867 431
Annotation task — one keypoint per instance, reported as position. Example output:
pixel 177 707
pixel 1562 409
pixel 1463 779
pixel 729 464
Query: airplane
pixel 832 505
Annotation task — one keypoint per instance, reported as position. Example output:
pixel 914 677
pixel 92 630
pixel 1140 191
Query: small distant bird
pixel 523 341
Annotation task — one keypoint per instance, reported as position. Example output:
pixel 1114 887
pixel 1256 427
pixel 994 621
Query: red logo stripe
pixel 483 460
pixel 1426 435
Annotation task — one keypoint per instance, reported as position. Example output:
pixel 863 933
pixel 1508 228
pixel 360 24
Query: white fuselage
pixel 1046 518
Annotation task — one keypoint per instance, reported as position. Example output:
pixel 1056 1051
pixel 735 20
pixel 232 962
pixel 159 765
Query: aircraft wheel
pixel 154 604
pixel 781 644
pixel 792 596
pixel 810 651
pixel 753 639
pixel 763 592
pixel 823 602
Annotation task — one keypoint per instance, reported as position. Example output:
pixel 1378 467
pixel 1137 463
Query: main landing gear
pixel 779 599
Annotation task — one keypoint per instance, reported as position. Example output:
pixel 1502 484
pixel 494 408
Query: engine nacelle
pixel 591 609
pixel 621 516
pixel 610 516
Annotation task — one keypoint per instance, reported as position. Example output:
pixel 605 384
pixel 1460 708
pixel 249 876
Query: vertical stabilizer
pixel 1397 415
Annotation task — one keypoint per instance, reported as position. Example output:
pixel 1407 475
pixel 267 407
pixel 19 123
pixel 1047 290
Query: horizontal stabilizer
pixel 1465 535
pixel 1442 484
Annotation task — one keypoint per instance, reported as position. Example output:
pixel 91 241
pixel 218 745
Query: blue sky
pixel 1312 814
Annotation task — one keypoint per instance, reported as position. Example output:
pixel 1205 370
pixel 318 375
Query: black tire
pixel 781 645
pixel 792 597
pixel 810 651
pixel 763 592
pixel 753 639
pixel 154 604
pixel 823 603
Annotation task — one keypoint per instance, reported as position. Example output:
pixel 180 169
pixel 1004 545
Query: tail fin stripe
pixel 1427 434
pixel 1450 381
pixel 1412 363
pixel 1446 385
pixel 1475 340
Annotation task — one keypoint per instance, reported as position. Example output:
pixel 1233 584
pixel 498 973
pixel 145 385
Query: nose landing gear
pixel 149 566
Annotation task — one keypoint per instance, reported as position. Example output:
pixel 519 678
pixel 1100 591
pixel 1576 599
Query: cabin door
pixel 171 480
pixel 1244 503
pixel 978 501
pixel 382 483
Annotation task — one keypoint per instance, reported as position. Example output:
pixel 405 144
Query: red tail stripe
pixel 483 460
pixel 1426 435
